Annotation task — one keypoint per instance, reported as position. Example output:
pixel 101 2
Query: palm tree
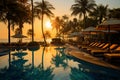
pixel 114 13
pixel 22 15
pixel 47 34
pixel 30 33
pixel 32 21
pixel 99 13
pixel 82 7
pixel 64 20
pixel 75 25
pixel 5 14
pixel 57 23
pixel 15 13
pixel 41 9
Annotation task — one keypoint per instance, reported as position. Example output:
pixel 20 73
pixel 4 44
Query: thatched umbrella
pixel 108 25
pixel 19 36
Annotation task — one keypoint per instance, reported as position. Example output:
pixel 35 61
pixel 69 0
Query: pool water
pixel 51 63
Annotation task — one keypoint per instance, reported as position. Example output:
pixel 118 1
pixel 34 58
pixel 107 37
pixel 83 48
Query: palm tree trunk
pixel 100 20
pixel 42 22
pixel 84 21
pixel 43 29
pixel 32 21
pixel 9 31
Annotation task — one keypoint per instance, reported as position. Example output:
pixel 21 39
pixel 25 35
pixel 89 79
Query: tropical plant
pixel 47 34
pixel 30 33
pixel 82 7
pixel 32 21
pixel 92 22
pixel 72 26
pixel 23 15
pixel 114 13
pixel 41 9
pixel 6 14
pixel 75 23
pixel 99 13
pixel 14 12
pixel 17 31
pixel 57 23
pixel 65 18
pixel 69 27
pixel 64 24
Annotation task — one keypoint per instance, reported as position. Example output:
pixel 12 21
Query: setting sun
pixel 48 25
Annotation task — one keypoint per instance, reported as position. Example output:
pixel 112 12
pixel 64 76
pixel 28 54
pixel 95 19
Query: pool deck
pixel 3 51
pixel 74 51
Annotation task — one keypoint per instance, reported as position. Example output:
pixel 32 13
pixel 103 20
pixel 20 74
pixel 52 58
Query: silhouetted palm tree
pixel 6 14
pixel 30 33
pixel 99 13
pixel 69 27
pixel 114 13
pixel 64 20
pixel 41 9
pixel 57 23
pixel 14 12
pixel 75 25
pixel 22 15
pixel 82 7
pixel 32 21
pixel 47 34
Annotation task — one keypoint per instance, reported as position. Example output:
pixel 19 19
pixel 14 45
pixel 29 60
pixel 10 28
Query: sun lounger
pixel 84 45
pixel 93 45
pixel 100 52
pixel 102 46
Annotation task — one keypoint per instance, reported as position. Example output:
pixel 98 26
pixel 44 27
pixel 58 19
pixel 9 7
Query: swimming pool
pixel 51 63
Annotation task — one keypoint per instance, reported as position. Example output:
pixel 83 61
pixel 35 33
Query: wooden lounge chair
pixel 101 46
pixel 105 49
pixel 84 48
pixel 84 45
pixel 93 45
